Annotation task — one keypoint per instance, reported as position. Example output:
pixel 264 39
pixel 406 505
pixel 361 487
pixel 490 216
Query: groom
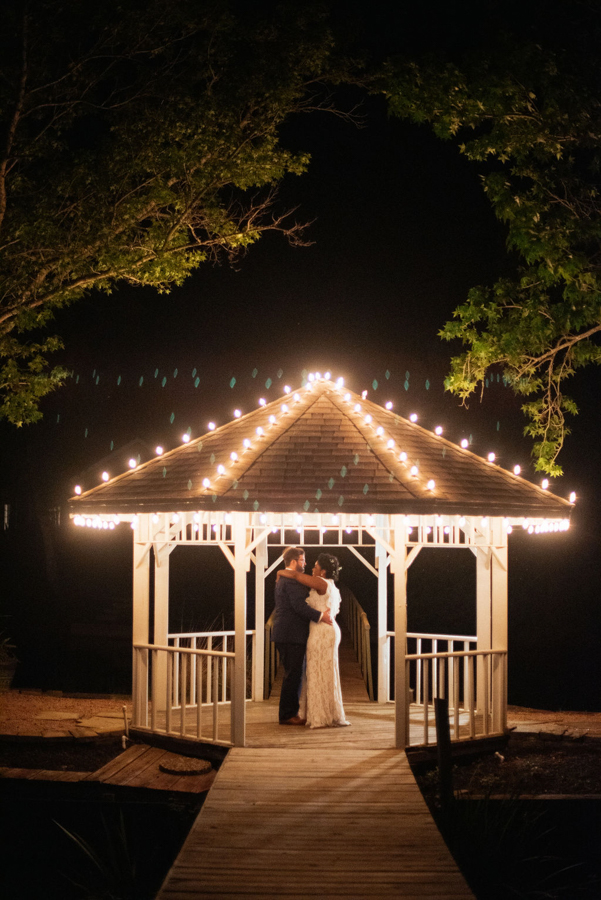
pixel 290 632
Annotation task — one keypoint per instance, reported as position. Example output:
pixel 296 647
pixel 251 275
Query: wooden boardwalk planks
pixel 139 765
pixel 304 823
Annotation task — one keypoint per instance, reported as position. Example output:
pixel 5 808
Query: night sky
pixel 401 231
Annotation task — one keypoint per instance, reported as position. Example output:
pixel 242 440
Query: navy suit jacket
pixel 292 613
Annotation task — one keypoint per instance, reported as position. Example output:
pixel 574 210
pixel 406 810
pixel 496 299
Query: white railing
pixel 181 688
pixel 473 681
pixel 355 620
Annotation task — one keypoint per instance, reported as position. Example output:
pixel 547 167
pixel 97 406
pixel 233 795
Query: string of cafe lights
pixel 366 420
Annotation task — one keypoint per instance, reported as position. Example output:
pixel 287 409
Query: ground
pixel 547 752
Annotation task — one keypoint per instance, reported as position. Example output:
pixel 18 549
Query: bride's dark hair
pixel 330 564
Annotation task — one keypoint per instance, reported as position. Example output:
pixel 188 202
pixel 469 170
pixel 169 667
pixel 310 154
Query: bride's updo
pixel 330 564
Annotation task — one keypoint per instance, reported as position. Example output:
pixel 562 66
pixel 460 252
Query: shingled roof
pixel 323 449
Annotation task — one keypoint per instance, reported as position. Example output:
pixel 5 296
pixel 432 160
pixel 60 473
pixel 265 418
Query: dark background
pixel 401 231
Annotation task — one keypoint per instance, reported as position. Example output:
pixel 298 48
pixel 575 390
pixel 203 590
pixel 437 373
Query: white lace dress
pixel 321 694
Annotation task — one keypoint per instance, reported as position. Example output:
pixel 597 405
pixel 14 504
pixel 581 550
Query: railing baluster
pixel 182 699
pixel 198 685
pixel 470 693
pixel 224 672
pixel 426 704
pixel 215 663
pixel 169 692
pixel 209 671
pixel 153 691
pixel 456 698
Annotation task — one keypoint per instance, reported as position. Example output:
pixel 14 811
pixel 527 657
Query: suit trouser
pixel 292 657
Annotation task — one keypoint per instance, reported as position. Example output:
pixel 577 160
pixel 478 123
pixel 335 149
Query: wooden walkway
pixel 303 824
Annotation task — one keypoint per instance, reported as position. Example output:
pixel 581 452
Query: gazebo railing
pixel 186 688
pixel 355 620
pixel 473 681
pixel 270 669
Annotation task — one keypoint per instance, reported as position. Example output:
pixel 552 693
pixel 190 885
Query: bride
pixel 321 695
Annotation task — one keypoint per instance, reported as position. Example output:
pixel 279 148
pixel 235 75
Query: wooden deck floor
pixel 302 823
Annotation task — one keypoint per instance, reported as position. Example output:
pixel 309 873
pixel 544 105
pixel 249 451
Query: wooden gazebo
pixel 319 467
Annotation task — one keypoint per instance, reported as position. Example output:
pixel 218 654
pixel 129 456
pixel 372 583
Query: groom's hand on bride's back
pixel 327 618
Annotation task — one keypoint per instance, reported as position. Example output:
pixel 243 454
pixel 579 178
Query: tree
pixel 530 116
pixel 139 139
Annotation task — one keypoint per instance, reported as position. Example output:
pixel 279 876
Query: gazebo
pixel 321 466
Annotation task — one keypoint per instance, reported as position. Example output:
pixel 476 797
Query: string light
pixel 221 469
pixel 431 484
pixel 105 476
pixel 260 431
pixel 544 484
pixel 484 522
pixel 246 443
pixel 174 519
pixel 287 388
pixel 237 413
pixel 413 417
pixel 357 407
pixel 340 382
pixel 158 450
pixel 367 419
pixel 364 395
pixel 311 377
pixel 491 457
pixel 327 376
pixel 211 426
pixel 438 429
pixel 233 456
pixel 77 489
pixel 206 483
pixel 132 463
pixel 262 402
pixel 272 420
pixel 573 497
pixel 403 456
pixel 389 404
pixel 414 471
pixel 390 444
pixel 296 397
pixel 465 443
pixel 461 521
pixel 347 397
pixel 284 407
pixel 185 438
pixel 379 431
pixel 517 470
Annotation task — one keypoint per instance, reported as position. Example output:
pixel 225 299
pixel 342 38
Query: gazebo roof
pixel 323 449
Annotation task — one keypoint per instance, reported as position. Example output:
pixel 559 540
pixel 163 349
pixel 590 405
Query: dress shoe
pixel 295 720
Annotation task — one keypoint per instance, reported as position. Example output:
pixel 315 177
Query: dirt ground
pixel 547 752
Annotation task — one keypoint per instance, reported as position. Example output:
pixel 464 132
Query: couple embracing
pixel 307 638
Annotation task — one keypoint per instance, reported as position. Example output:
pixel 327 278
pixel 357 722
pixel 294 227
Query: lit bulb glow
pixel 158 450
pixel 233 456
pixel 174 519
pixel 357 407
pixel 237 413
pixel 484 522
pixel 272 420
pixel 389 404
pixel 132 463
pixel 403 456
pixel 573 497
pixel 544 484
pixel 364 395
pixel 284 407
pixel 105 476
pixel 327 376
pixel 438 429
pixel 311 377
pixel 246 443
pixel 465 443
pixel 262 402
pixel 414 471
pixel 287 389
pixel 413 417
pixel 206 483
pixel 77 489
pixel 340 382
pixel 517 470
pixel 296 397
pixel 367 419
pixel 211 426
pixel 379 431
pixel 491 457
pixel 431 484
pixel 221 469
pixel 260 431
pixel 390 444
pixel 462 521
pixel 185 438
pixel 347 397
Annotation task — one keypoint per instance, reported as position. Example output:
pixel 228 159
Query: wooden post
pixel 161 624
pixel 483 623
pixel 383 642
pixel 140 623
pixel 499 616
pixel 239 683
pixel 400 631
pixel 259 660
pixel 443 750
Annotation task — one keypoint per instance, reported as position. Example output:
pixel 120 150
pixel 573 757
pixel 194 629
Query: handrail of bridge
pixel 357 624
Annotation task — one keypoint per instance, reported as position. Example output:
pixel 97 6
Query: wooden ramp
pixel 302 823
pixel 139 766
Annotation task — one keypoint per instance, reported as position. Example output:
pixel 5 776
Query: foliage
pixel 530 117
pixel 139 140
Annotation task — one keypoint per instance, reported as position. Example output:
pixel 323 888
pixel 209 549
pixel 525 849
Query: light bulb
pixel 233 456
pixel 364 395
pixel 340 382
pixel 414 471
pixel 517 470
pixel 132 463
pixel 272 420
pixel 347 397
pixel 185 438
pixel 491 457
pixel 77 489
pixel 221 469
pixel 544 484
pixel 237 413
pixel 246 443
pixel 158 450
pixel 260 431
pixel 465 443
pixel 484 521
pixel 311 377
pixel 389 404
pixel 262 402
pixel 174 519
pixel 284 407
pixel 413 417
pixel 206 483
pixel 573 497
pixel 509 529
pixel 390 444
pixel 431 484
pixel 438 429
pixel 357 407
pixel 403 456
pixel 211 426
pixel 296 397
pixel 262 518
pixel 105 476
pixel 287 388
pixel 367 419
pixel 461 521
pixel 327 376
pixel 379 431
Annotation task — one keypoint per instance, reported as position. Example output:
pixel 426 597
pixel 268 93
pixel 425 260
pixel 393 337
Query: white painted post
pixel 161 625
pixel 259 643
pixel 383 642
pixel 483 623
pixel 140 623
pixel 499 617
pixel 239 682
pixel 398 561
